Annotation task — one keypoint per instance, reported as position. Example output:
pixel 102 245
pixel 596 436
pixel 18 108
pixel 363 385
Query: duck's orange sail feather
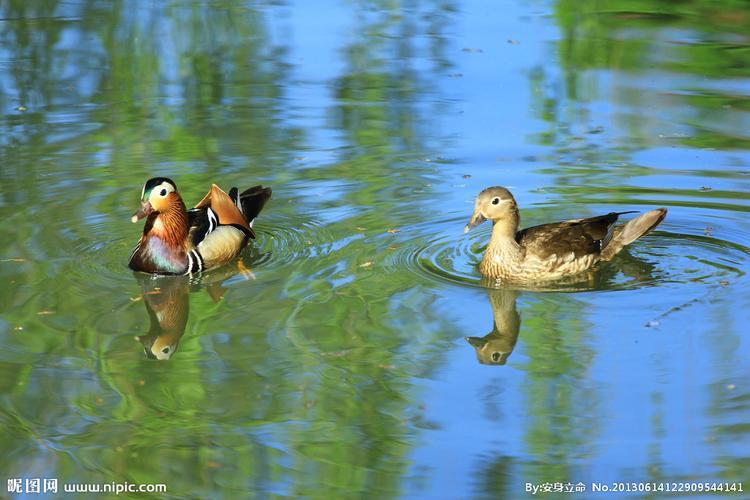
pixel 223 207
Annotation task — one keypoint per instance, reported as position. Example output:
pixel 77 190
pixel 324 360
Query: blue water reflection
pixel 337 366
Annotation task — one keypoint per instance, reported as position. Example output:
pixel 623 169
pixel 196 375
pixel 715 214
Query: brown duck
pixel 550 251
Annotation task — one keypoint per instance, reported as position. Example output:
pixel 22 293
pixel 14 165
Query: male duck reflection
pixel 495 347
pixel 167 304
pixel 550 251
pixel 180 241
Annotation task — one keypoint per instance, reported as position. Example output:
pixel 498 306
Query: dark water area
pixel 361 355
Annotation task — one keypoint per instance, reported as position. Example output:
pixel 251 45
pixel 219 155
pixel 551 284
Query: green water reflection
pixel 338 367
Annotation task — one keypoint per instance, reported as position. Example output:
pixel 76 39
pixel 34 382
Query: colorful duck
pixel 180 241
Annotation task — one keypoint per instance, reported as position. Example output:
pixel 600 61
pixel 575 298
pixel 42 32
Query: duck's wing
pixel 578 236
pixel 216 209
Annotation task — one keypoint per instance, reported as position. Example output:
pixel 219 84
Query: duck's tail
pixel 632 230
pixel 251 201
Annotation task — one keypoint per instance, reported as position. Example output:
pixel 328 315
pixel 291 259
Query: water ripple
pixel 663 257
pixel 282 241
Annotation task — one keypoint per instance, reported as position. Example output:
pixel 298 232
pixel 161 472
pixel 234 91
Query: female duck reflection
pixel 495 347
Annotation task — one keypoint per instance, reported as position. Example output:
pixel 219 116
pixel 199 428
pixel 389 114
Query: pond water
pixel 338 366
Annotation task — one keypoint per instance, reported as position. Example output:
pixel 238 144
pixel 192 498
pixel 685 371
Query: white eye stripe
pixel 165 188
pixel 161 190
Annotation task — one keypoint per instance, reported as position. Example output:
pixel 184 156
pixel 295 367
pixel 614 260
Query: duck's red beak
pixel 142 212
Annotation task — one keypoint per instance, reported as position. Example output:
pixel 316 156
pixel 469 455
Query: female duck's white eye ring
pixel 495 201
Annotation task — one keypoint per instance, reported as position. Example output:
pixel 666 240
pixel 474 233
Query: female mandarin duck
pixel 550 251
pixel 180 241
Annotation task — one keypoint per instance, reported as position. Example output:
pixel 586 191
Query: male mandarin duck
pixel 550 251
pixel 180 241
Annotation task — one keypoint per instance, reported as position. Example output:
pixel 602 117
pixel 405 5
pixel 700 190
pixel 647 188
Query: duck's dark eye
pixel 495 356
pixel 165 350
pixel 495 201
pixel 163 192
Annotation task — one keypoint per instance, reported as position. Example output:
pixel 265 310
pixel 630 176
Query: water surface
pixel 338 366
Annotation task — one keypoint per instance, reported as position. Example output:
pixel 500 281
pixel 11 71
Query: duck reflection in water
pixel 168 305
pixel 495 347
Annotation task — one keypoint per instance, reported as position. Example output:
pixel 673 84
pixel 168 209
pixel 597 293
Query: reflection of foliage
pixel 299 383
pixel 495 477
pixel 668 73
pixel 634 75
pixel 619 34
pixel 562 414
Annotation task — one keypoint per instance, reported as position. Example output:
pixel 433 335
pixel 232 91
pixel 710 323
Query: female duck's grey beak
pixel 477 342
pixel 476 219
pixel 142 212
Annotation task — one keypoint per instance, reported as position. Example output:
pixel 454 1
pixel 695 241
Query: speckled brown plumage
pixel 554 250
